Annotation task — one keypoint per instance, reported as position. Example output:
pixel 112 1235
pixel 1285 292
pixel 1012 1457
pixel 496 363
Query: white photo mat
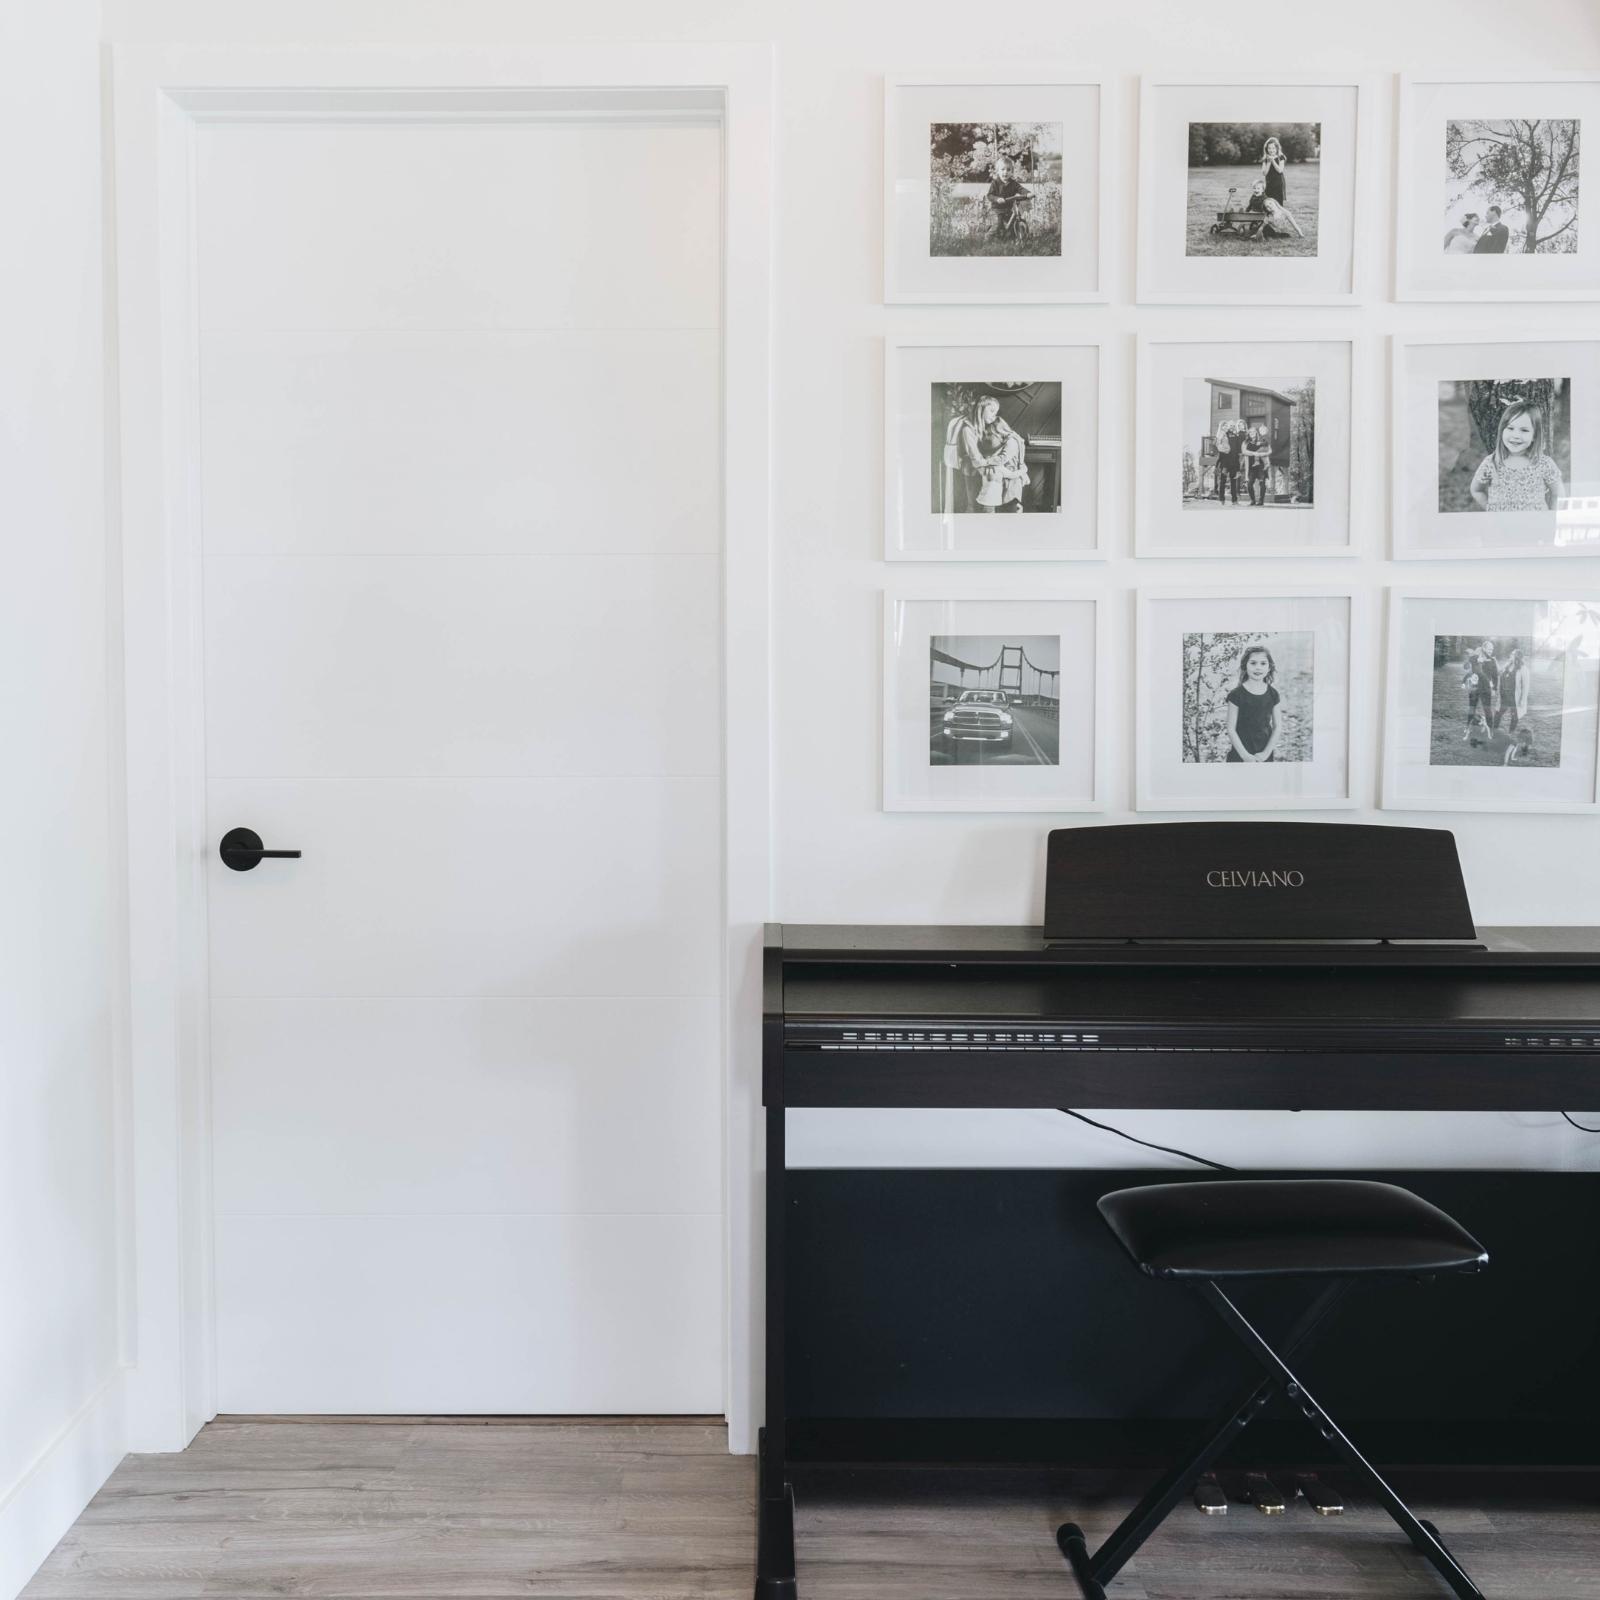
pixel 1248 274
pixel 1189 657
pixel 1430 201
pixel 1423 414
pixel 1050 765
pixel 916 424
pixel 1430 762
pixel 1055 95
pixel 1170 522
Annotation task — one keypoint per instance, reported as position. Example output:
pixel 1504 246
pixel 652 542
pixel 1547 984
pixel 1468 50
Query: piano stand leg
pixel 775 1579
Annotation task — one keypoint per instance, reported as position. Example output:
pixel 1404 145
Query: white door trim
pixel 162 95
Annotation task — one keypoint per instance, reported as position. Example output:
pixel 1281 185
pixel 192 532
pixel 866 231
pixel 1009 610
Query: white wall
pixel 60 1431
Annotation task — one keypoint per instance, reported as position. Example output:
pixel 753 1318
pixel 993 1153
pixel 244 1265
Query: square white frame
pixel 1361 253
pixel 1400 541
pixel 1050 73
pixel 894 344
pixel 1404 259
pixel 1356 689
pixel 1388 799
pixel 891 797
pixel 1145 511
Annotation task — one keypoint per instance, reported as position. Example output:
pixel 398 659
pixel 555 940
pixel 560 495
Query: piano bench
pixel 1330 1229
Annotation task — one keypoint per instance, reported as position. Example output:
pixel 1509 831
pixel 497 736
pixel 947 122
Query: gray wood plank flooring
pixel 658 1511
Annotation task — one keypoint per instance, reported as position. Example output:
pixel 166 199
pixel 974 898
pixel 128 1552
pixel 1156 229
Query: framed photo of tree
pixel 995 186
pixel 1492 200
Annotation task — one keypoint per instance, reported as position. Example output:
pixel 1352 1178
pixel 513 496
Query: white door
pixel 459 481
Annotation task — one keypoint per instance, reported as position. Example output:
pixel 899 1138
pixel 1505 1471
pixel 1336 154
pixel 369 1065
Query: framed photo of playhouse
pixel 996 186
pixel 1243 447
pixel 1491 201
pixel 1492 702
pixel 1496 446
pixel 994 704
pixel 1249 190
pixel 1246 699
pixel 984 467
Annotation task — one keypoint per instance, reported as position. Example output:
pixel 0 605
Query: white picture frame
pixel 1183 379
pixel 1234 264
pixel 1438 443
pixel 1190 653
pixel 917 269
pixel 1429 766
pixel 929 383
pixel 927 767
pixel 1428 210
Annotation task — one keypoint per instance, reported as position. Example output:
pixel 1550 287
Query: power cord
pixel 1165 1149
pixel 1582 1127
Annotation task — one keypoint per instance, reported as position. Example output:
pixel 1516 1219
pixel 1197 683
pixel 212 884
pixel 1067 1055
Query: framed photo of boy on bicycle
pixel 994 191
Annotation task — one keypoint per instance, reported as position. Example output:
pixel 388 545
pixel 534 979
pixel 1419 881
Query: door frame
pixel 162 96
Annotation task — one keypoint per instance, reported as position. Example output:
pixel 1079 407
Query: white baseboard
pixel 45 1501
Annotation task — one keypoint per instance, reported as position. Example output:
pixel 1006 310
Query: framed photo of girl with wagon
pixel 994 186
pixel 1496 445
pixel 1249 190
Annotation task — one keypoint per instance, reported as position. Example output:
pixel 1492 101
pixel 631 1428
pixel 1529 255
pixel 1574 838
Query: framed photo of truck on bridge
pixel 996 186
pixel 1243 447
pixel 994 704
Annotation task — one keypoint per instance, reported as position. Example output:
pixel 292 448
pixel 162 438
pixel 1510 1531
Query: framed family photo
pixel 1246 699
pixel 1492 702
pixel 1249 190
pixel 994 186
pixel 1242 447
pixel 993 452
pixel 994 704
pixel 1490 199
pixel 1496 446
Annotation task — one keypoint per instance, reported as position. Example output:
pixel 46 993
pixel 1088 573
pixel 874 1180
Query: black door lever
pixel 241 849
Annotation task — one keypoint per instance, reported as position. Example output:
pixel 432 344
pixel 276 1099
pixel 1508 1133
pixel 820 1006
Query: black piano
pixel 1276 966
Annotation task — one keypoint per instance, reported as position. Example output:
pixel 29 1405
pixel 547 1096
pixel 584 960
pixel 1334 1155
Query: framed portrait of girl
pixel 1246 699
pixel 1496 446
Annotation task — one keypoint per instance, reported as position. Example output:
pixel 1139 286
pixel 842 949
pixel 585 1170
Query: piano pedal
pixel 1208 1495
pixel 1262 1493
pixel 1318 1495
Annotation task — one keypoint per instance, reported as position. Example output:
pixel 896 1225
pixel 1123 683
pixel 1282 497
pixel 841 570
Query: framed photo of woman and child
pixel 1243 447
pixel 1246 699
pixel 1491 199
pixel 1492 702
pixel 1248 190
pixel 995 188
pixel 1496 446
pixel 993 452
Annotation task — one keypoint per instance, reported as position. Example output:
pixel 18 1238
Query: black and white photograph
pixel 1253 188
pixel 996 448
pixel 1505 444
pixel 994 189
pixel 1249 441
pixel 994 704
pixel 1497 701
pixel 994 701
pixel 1248 697
pixel 1511 186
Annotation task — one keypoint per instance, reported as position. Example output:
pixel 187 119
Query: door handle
pixel 241 849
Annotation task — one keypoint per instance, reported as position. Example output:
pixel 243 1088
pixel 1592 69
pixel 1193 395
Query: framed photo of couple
pixel 1492 702
pixel 1249 190
pixel 1496 446
pixel 1491 199
pixel 1246 699
pixel 993 452
pixel 996 186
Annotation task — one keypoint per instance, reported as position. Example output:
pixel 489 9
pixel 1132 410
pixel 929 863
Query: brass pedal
pixel 1318 1495
pixel 1261 1492
pixel 1208 1495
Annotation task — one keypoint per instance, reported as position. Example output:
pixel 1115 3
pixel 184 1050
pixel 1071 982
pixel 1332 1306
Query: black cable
pixel 1580 1126
pixel 1165 1149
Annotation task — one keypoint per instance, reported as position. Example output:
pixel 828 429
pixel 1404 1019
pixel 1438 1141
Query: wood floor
pixel 657 1511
